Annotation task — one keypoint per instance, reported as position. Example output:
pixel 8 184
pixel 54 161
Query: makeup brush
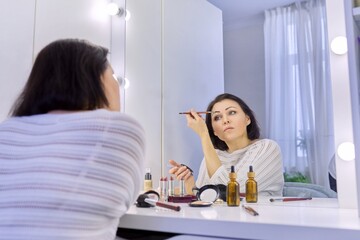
pixel 161 204
pixel 205 112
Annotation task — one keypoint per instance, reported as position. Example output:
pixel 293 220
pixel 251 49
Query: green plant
pixel 296 177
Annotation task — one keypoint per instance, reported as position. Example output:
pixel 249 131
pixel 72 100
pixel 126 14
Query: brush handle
pixel 289 199
pixel 295 199
pixel 196 112
pixel 161 204
pixel 168 206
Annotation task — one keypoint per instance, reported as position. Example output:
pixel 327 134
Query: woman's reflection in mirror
pixel 230 135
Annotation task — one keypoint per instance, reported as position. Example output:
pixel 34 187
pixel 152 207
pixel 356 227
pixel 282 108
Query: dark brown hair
pixel 253 130
pixel 66 75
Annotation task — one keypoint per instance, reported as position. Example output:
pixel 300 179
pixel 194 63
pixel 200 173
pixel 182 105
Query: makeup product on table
pixel 250 210
pixel 171 190
pixel 288 199
pixel 163 189
pixel 233 190
pixel 205 112
pixel 182 191
pixel 183 199
pixel 148 181
pixel 162 204
pixel 251 192
pixel 200 204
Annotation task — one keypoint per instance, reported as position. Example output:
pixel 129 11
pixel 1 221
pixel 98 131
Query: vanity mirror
pixel 167 86
pixel 169 64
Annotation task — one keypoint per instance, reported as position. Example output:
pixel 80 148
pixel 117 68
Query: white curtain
pixel 298 88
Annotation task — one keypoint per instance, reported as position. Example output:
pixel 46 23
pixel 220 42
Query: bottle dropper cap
pixel 148 174
pixel 232 172
pixel 251 172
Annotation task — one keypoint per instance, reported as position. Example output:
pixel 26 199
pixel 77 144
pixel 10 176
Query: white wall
pixel 345 170
pixel 26 26
pixel 244 62
pixel 16 41
pixel 167 76
pixel 143 69
pixel 353 31
pixel 193 73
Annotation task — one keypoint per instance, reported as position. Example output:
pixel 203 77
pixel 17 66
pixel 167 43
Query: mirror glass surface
pixel 162 71
pixel 244 63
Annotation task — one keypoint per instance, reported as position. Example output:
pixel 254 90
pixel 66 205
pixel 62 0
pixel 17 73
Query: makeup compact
pixel 200 204
pixel 207 195
pixel 210 192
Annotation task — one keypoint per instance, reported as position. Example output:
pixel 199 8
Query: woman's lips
pixel 228 128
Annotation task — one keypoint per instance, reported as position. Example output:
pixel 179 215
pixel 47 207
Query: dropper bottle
pixel 233 189
pixel 251 194
pixel 148 181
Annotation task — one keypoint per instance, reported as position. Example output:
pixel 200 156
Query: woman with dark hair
pixel 230 137
pixel 70 162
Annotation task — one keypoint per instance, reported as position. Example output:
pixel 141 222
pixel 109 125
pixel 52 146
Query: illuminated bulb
pixel 126 83
pixel 113 9
pixel 346 151
pixel 127 15
pixel 115 77
pixel 339 45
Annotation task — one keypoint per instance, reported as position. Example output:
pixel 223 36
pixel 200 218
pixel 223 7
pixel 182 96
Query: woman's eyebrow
pixel 229 107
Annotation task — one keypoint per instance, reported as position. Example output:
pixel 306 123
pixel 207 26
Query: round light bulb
pixel 346 151
pixel 339 45
pixel 126 83
pixel 113 9
pixel 127 15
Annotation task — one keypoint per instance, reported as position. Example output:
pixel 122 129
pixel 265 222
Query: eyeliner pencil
pixel 199 112
pixel 250 210
pixel 288 199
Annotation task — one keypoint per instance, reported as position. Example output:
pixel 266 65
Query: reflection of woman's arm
pixel 189 184
pixel 182 172
pixel 198 125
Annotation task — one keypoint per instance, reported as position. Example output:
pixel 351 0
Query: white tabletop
pixel 319 218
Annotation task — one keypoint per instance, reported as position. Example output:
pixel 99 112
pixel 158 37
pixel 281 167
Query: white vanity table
pixel 319 218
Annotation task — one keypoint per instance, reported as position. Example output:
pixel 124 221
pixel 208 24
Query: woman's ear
pixel 248 120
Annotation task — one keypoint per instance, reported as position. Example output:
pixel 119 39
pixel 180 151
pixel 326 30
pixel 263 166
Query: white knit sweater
pixel 265 157
pixel 68 176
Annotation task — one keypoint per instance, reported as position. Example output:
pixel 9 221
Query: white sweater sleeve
pixel 68 176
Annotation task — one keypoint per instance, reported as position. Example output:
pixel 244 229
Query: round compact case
pixel 206 195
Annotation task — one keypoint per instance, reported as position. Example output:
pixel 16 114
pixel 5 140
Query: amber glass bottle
pixel 233 190
pixel 251 194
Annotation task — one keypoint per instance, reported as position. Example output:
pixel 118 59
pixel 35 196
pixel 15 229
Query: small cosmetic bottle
pixel 171 189
pixel 148 181
pixel 163 189
pixel 182 191
pixel 251 194
pixel 233 190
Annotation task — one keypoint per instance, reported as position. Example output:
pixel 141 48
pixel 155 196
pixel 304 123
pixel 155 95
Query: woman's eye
pixel 216 118
pixel 232 112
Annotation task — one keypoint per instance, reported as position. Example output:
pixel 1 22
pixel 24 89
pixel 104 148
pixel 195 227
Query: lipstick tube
pixel 182 188
pixel 171 190
pixel 163 189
